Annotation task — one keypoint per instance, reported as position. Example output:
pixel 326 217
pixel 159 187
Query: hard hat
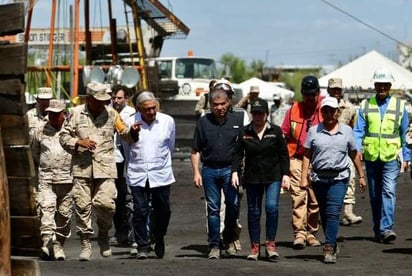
pixel 382 75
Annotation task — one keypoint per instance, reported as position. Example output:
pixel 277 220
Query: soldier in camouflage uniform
pixel 89 137
pixel 37 116
pixel 54 201
pixel 347 116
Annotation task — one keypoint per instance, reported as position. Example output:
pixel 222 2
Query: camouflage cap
pixel 335 83
pixel 44 93
pixel 56 106
pixel 98 91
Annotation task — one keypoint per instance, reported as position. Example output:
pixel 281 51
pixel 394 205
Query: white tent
pixel 267 89
pixel 359 72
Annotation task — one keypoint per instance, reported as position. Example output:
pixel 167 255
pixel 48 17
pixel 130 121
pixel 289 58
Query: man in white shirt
pixel 150 173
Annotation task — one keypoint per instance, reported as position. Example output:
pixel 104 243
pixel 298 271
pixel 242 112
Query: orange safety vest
pixel 297 122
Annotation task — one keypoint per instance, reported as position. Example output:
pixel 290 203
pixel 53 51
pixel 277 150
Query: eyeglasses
pixel 223 86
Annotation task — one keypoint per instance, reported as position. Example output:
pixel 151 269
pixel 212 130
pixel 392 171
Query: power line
pixel 365 24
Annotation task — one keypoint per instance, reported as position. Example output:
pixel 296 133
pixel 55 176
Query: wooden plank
pixel 19 161
pixel 22 192
pixel 13 87
pixel 12 18
pixel 4 217
pixel 14 129
pixel 13 104
pixel 25 235
pixel 14 55
pixel 25 266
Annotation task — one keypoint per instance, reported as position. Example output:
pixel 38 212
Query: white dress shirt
pixel 150 158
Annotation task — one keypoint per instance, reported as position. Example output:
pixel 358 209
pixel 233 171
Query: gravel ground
pixel 186 244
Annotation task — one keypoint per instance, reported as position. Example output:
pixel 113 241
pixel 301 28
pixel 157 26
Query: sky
pixel 277 32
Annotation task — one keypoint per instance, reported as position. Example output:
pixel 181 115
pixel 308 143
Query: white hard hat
pixel 382 75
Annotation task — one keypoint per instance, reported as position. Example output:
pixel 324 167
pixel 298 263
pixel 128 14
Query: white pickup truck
pixel 184 78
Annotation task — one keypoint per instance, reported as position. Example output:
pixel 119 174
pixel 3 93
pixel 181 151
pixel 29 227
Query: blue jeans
pixel 254 193
pixel 159 215
pixel 382 180
pixel 214 180
pixel 330 197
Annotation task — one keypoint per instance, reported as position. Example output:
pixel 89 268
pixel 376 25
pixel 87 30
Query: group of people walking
pixel 100 154
pixel 77 165
pixel 313 153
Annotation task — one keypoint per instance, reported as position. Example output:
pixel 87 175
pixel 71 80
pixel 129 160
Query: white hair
pixel 145 96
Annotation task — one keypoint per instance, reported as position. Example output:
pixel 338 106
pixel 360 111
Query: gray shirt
pixel 330 152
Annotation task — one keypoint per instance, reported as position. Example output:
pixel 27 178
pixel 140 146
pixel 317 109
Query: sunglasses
pixel 223 86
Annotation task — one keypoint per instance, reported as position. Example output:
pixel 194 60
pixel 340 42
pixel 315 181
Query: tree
pixel 235 68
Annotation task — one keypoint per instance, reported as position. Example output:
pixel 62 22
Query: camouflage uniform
pixel 347 116
pixel 54 199
pixel 35 121
pixel 93 172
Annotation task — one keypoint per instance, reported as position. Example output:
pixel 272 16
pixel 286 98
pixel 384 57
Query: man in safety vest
pixel 379 131
pixel 298 119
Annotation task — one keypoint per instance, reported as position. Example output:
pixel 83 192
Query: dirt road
pixel 186 244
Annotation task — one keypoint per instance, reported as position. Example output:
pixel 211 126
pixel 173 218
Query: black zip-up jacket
pixel 266 160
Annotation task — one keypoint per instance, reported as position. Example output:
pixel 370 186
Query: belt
pixel 217 165
pixel 328 172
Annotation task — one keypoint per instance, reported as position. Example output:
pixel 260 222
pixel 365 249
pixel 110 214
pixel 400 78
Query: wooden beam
pixel 12 19
pixel 25 240
pixel 15 57
pixel 12 126
pixel 5 265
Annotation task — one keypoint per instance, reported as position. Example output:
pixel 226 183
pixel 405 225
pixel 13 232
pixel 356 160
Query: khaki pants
pixel 350 193
pixel 305 210
pixel 55 207
pixel 99 194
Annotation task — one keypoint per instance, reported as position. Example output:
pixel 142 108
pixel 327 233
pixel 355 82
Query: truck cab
pixel 183 78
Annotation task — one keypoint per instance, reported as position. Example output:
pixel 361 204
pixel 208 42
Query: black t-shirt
pixel 215 142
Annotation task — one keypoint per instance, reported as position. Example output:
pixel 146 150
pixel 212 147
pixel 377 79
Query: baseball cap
pixel 330 101
pixel 98 91
pixel 335 83
pixel 259 105
pixel 44 93
pixel 56 106
pixel 254 89
pixel 309 85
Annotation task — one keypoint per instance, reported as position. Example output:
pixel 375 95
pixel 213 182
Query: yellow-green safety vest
pixel 382 138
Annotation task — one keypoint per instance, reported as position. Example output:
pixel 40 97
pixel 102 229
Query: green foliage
pixel 293 80
pixel 238 71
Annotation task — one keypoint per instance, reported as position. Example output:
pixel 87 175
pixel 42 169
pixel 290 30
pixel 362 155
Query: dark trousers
pixel 159 211
pixel 123 213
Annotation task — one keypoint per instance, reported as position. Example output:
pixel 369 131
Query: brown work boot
pixel 299 242
pixel 103 241
pixel 85 248
pixel 311 240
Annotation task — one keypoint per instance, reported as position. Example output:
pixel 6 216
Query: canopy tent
pixel 267 89
pixel 359 73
